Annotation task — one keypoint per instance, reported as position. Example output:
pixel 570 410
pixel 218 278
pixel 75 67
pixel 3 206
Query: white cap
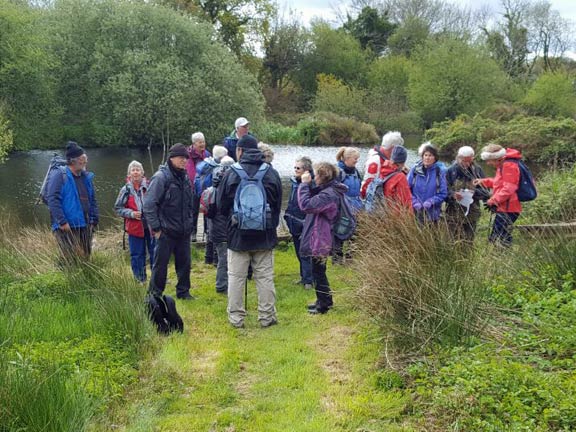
pixel 241 121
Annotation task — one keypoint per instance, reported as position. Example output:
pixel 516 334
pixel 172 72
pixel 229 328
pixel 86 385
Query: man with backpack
pixel 72 203
pixel 251 194
pixel 168 210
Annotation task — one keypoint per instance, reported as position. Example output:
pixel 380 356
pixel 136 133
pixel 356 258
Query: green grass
pixel 309 373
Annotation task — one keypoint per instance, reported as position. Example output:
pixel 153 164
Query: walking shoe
pixel 269 324
pixel 186 296
pixel 307 286
pixel 314 306
pixel 238 325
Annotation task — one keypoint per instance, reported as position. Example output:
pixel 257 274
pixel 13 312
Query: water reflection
pixel 22 174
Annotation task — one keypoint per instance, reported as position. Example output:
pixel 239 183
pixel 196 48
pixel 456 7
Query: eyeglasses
pixel 297 168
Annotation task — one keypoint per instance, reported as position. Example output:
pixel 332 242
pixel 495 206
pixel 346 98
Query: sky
pixel 325 8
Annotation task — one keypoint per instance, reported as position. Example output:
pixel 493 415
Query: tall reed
pixel 417 283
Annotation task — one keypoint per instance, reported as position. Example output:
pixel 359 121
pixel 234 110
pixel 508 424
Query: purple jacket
pixel 321 205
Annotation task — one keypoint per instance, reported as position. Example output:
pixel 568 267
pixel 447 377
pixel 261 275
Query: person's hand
pixel 477 182
pixel 491 207
pixel 65 227
pixel 427 204
pixel 458 196
pixel 306 177
pixel 417 206
pixel 157 234
pixel 137 215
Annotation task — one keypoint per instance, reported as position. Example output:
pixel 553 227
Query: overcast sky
pixel 325 8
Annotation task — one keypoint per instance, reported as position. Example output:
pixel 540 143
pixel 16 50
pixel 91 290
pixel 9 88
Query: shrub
pixel 417 285
pixel 6 136
pixel 552 95
pixel 337 130
pixel 556 200
pixel 334 96
pixel 275 133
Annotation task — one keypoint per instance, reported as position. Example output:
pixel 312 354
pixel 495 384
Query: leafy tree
pixel 6 136
pixel 371 28
pixel 235 20
pixel 553 95
pixel 333 52
pixel 413 33
pixel 135 73
pixel 336 97
pixel 26 87
pixel 451 78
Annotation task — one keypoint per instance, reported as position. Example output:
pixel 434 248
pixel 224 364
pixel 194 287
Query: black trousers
pixel 321 285
pixel 165 246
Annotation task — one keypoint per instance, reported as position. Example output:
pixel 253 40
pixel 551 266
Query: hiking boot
pixel 186 296
pixel 315 306
pixel 269 324
pixel 239 325
pixel 307 286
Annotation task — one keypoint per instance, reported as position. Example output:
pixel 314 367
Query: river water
pixel 22 174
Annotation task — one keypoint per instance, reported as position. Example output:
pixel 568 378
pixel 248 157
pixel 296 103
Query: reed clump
pixel 420 285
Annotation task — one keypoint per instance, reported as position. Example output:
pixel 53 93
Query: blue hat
pixel 399 155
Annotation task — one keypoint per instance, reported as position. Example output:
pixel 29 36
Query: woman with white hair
pixel 129 205
pixel 504 186
pixel 377 157
pixel 463 202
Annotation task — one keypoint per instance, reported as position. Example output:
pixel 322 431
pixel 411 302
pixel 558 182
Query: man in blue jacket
pixel 72 203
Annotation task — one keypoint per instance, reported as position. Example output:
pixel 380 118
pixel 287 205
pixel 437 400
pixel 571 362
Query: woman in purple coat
pixel 321 204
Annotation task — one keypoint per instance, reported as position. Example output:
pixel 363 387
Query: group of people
pixel 243 208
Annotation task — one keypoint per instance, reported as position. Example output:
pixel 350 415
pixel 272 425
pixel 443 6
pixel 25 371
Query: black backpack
pixel 162 312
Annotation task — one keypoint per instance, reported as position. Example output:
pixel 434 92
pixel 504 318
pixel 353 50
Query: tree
pixel 6 136
pixel 336 97
pixel 237 21
pixel 450 78
pixel 333 52
pixel 284 49
pixel 553 95
pixel 412 34
pixel 371 28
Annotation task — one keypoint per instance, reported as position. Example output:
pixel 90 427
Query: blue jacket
pixel 428 185
pixel 351 178
pixel 230 143
pixel 293 216
pixel 64 201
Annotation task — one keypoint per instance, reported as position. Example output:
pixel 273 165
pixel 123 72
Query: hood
pixel 388 168
pixel 513 154
pixel 346 169
pixel 211 162
pixel 252 156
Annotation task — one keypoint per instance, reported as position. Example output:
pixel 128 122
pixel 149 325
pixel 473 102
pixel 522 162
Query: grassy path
pixel 309 373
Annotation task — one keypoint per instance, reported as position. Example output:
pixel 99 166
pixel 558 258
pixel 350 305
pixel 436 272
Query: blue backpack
pixel 345 225
pixel 527 186
pixel 375 191
pixel 251 209
pixel 203 179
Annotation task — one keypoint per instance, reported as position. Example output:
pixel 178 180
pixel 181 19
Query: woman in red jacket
pixel 129 206
pixel 504 184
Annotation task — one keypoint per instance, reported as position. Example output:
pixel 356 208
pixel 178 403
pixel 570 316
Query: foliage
pixel 451 78
pixel 408 37
pixel 26 81
pixel 553 95
pixel 371 28
pixel 423 290
pixel 275 133
pixel 72 337
pixel 336 97
pixel 337 130
pixel 539 139
pixel 333 52
pixel 134 73
pixel 556 200
pixel 6 136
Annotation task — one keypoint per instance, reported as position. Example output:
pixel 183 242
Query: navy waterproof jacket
pixel 64 201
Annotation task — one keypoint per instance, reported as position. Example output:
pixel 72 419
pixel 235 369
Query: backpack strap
pixel 377 150
pixel 259 175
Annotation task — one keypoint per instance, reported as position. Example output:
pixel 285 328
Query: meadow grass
pixel 308 373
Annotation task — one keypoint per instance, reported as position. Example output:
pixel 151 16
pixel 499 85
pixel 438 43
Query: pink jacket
pixel 505 184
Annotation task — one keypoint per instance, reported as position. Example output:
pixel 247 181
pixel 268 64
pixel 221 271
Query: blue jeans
pixel 138 254
pixel 502 228
pixel 305 263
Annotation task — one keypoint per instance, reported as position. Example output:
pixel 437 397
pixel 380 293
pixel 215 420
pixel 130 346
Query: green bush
pixel 337 130
pixel 333 95
pixel 275 133
pixel 408 122
pixel 6 136
pixel 556 200
pixel 553 95
pixel 540 139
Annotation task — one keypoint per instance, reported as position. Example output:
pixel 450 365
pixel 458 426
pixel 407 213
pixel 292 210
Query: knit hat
pixel 493 152
pixel 73 150
pixel 178 149
pixel 399 155
pixel 247 142
pixel 428 147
